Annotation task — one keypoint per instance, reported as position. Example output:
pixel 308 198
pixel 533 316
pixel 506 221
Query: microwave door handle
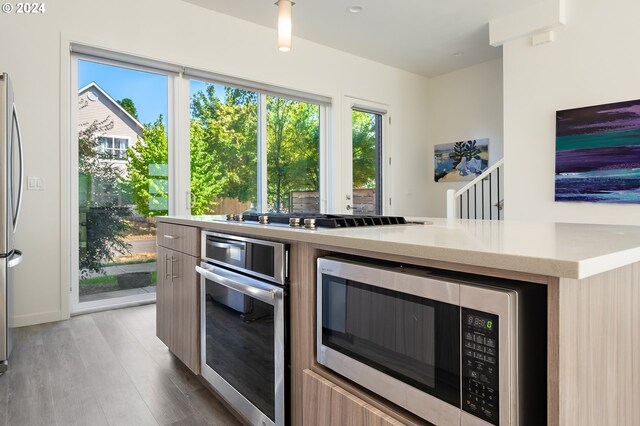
pixel 244 285
pixel 20 184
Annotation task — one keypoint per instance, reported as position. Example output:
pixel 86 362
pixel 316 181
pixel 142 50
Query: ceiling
pixel 427 37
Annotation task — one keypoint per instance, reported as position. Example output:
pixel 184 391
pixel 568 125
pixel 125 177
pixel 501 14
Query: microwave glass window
pixel 413 339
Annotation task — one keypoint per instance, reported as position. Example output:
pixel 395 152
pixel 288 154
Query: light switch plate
pixel 35 183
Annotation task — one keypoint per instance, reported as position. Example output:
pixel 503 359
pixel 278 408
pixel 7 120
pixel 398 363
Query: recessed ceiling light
pixel 356 8
pixel 457 54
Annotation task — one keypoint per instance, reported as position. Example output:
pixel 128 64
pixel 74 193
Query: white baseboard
pixel 39 318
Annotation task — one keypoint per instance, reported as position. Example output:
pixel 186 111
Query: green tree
pixel 147 167
pixel 205 172
pixel 102 222
pixel 229 135
pixel 223 131
pixel 292 150
pixel 129 106
pixel 363 138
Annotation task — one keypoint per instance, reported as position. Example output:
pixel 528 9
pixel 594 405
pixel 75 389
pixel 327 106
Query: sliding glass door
pixel 122 181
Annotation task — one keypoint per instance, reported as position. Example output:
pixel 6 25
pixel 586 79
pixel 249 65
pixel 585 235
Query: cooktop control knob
pixel 294 222
pixel 229 217
pixel 238 217
pixel 264 219
pixel 310 223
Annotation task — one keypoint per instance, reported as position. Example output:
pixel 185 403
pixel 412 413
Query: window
pixel 293 156
pixel 224 149
pixel 253 147
pixel 367 161
pixel 236 166
pixel 114 147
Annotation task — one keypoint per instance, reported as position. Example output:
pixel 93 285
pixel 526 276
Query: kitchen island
pixel 592 276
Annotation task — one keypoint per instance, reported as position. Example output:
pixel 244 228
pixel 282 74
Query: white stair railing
pixel 480 198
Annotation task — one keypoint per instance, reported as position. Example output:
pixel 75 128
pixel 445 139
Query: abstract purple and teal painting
pixel 598 153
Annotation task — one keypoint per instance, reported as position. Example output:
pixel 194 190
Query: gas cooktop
pixel 313 220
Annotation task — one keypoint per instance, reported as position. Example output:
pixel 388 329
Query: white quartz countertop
pixel 551 249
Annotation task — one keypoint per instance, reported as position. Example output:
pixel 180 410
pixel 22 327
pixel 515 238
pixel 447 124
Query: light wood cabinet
pixel 178 298
pixel 325 403
pixel 185 239
pixel 164 296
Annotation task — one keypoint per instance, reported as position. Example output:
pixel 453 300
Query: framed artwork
pixel 461 161
pixel 598 153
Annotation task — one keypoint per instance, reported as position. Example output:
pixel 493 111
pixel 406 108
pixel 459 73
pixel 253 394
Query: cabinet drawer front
pixel 185 239
pixel 325 403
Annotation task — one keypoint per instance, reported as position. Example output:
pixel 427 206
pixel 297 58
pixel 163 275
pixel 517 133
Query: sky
pixel 147 90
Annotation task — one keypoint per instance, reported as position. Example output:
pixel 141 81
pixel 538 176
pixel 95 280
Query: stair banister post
pixel 451 204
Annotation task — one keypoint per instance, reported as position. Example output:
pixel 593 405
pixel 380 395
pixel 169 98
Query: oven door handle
pixel 251 287
pixel 225 245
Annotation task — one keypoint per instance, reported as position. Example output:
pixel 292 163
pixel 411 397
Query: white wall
pixel 594 60
pixel 462 105
pixel 32 52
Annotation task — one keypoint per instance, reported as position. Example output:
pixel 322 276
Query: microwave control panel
pixel 480 365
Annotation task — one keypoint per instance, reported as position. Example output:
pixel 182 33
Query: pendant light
pixel 284 25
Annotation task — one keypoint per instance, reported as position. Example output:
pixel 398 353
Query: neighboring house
pixel 96 105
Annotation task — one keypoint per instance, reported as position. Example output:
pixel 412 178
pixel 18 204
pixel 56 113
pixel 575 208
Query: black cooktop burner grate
pixel 330 220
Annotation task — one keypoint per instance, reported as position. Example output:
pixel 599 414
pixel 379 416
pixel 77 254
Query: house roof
pixel 115 104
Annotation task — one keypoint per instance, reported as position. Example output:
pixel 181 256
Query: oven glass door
pixel 242 342
pixel 413 339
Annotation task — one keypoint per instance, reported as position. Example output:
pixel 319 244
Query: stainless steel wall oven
pixel 451 348
pixel 244 324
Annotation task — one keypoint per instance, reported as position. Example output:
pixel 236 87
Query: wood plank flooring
pixel 106 368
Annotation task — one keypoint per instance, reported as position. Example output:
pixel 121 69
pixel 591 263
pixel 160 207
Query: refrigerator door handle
pixel 16 259
pixel 20 184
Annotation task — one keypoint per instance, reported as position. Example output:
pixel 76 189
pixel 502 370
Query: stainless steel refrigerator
pixel 11 177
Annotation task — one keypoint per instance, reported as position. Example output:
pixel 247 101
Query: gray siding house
pixel 96 105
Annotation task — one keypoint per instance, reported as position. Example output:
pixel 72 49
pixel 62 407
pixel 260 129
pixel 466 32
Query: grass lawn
pixel 104 284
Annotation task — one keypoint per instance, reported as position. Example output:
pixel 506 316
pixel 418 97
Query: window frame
pixel 384 163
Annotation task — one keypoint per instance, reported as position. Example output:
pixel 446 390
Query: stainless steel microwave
pixel 449 349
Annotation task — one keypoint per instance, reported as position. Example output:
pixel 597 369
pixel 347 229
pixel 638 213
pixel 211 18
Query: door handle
pixel 167 274
pixel 191 199
pixel 171 237
pixel 173 260
pixel 20 187
pixel 16 259
pixel 249 286
pixel 225 245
